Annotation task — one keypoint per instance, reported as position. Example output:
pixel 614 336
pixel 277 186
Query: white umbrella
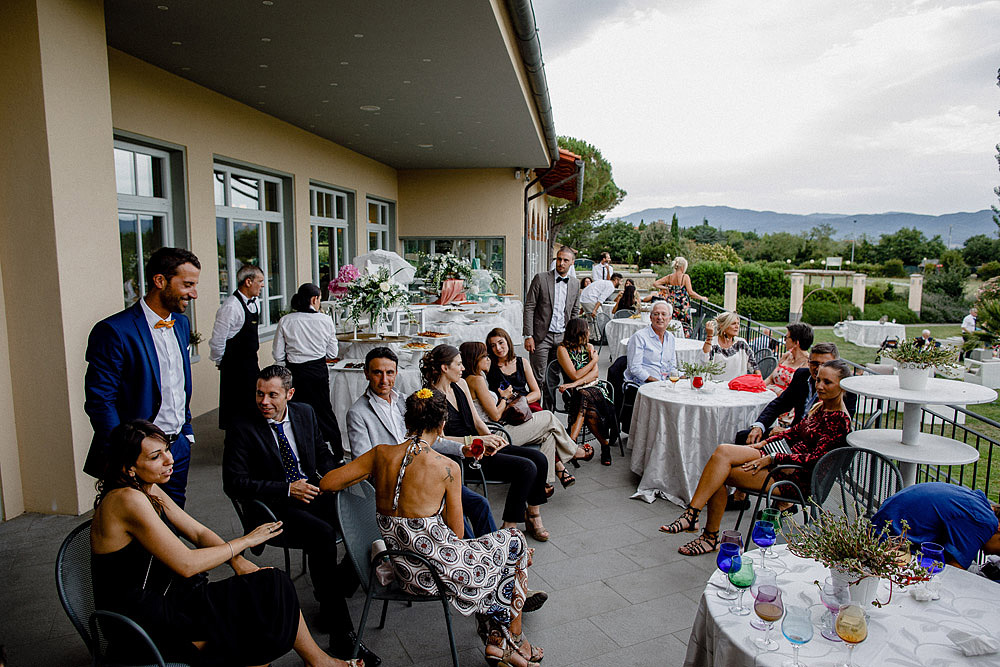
pixel 371 261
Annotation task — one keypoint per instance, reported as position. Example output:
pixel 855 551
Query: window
pixel 381 225
pixel 489 251
pixel 150 214
pixel 330 214
pixel 252 227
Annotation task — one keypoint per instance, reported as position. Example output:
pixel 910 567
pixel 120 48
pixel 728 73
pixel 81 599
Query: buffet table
pixel 870 333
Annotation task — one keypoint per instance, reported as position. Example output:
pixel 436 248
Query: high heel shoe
pixel 605 455
pixel 567 480
pixel 533 526
pixel 588 454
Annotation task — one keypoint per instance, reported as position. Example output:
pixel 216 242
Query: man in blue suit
pixel 139 366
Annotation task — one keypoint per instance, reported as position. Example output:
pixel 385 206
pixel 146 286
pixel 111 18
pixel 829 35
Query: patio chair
pixel 254 512
pixel 553 378
pixel 766 364
pixel 76 593
pixel 478 476
pixel 629 392
pixel 356 513
pixel 623 314
pixel 598 324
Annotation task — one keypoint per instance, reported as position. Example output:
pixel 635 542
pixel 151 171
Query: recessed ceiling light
pixel 395 142
pixel 370 107
pixel 262 86
pixel 265 39
pixel 419 123
pixel 325 101
pixel 392 99
pixel 267 2
pixel 176 43
pixel 378 113
pixel 185 69
pixel 333 84
pixel 425 145
pixel 366 124
pixel 458 97
pixel 263 66
pixel 358 35
pixel 343 62
pixel 460 132
pixel 162 8
pixel 405 81
pixel 426 60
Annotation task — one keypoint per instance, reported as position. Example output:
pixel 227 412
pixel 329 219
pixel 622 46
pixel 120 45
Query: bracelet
pixel 232 554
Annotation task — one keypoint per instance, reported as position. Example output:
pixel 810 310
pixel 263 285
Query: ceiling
pixel 414 84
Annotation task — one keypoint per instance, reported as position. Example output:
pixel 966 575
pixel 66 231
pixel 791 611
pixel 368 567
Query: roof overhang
pixel 412 84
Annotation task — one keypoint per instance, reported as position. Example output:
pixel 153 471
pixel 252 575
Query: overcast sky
pixel 797 106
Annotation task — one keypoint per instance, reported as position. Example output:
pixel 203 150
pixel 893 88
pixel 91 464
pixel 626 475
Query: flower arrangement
pixel 922 356
pixel 338 286
pixel 855 547
pixel 706 369
pixel 374 295
pixel 499 283
pixel 438 268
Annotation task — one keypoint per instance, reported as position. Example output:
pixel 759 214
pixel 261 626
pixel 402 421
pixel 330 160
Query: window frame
pixel 316 221
pixel 471 240
pixel 388 228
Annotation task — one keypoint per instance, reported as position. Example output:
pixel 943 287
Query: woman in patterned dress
pixel 745 466
pixel 733 351
pixel 798 340
pixel 676 287
pixel 419 508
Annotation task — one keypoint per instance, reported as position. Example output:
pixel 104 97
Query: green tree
pixel 619 238
pixel 579 234
pixel 910 245
pixel 600 194
pixel 675 230
pixel 979 249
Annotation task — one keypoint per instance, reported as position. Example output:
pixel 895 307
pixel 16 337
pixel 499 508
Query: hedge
pixel 989 270
pixel 941 308
pixel 755 280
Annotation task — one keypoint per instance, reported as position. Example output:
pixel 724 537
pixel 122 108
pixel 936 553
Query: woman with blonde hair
pixel 729 349
pixel 677 286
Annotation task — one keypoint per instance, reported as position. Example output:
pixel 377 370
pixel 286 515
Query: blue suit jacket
pixel 123 377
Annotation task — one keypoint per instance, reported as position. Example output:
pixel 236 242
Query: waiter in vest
pixel 234 345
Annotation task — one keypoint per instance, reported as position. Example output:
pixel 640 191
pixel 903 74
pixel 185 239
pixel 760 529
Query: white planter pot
pixel 913 377
pixel 863 590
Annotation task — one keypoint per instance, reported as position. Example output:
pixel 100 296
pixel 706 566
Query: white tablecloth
pixel 903 632
pixel 869 333
pixel 675 430
pixel 347 386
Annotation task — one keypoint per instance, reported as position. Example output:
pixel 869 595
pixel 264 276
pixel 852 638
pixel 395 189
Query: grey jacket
pixel 365 429
pixel 538 304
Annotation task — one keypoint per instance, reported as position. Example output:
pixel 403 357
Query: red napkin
pixel 754 383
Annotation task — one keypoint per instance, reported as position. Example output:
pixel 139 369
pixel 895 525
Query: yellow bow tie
pixel 165 324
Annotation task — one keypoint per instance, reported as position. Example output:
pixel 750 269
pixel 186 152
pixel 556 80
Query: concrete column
pixel 795 305
pixel 916 291
pixel 59 245
pixel 729 300
pixel 858 293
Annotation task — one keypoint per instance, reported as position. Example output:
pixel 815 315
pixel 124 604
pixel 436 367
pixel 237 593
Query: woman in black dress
pixel 507 370
pixel 525 468
pixel 143 570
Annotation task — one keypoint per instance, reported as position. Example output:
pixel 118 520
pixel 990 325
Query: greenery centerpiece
pixel 374 295
pixel 700 370
pixel 438 268
pixel 856 551
pixel 914 359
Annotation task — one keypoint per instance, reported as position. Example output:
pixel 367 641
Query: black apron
pixel 239 369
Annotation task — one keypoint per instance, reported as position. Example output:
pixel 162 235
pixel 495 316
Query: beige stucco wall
pixel 466 202
pixel 151 102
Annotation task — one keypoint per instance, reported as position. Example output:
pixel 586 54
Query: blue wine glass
pixel 764 536
pixel 931 557
pixel 729 556
pixel 797 626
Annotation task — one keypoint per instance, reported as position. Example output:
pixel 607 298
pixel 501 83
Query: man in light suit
pixel 139 367
pixel 278 456
pixel 553 299
pixel 376 418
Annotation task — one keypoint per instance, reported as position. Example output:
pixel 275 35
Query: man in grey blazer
pixel 553 299
pixel 376 418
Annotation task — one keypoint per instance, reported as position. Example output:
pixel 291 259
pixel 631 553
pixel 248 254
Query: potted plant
pixel 439 268
pixel 856 552
pixel 701 371
pixel 374 295
pixel 914 361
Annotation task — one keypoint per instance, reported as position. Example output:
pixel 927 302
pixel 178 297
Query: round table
pixel 346 386
pixel 903 632
pixel 675 429
pixel 908 445
pixel 870 333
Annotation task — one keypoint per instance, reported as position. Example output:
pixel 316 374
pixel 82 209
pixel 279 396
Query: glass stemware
pixel 769 608
pixel 834 594
pixel 764 577
pixel 763 536
pixel 797 627
pixel 476 450
pixel 742 578
pixel 728 558
pixel 674 377
pixel 852 627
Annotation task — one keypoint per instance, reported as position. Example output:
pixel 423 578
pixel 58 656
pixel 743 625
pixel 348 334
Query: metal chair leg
pixel 385 610
pixel 361 625
pixel 451 635
pixel 288 563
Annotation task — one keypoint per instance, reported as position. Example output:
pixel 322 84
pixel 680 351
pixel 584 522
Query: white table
pixel 869 333
pixel 903 632
pixel 908 445
pixel 346 386
pixel 674 431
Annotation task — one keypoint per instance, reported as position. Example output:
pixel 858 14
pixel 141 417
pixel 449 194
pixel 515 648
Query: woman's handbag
pixel 516 412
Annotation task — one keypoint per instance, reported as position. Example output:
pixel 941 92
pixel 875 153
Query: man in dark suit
pixel 553 299
pixel 139 367
pixel 278 456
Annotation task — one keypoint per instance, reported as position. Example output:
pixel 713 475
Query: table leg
pixel 912 414
pixel 908 472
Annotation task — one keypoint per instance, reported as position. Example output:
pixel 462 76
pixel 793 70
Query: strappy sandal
pixel 533 526
pixel 549 490
pixel 535 654
pixel 605 455
pixel 588 454
pixel 567 480
pixel 685 523
pixel 706 543
pixel 499 641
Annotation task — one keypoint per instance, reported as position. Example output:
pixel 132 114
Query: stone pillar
pixel 729 301
pixel 858 293
pixel 795 305
pixel 916 291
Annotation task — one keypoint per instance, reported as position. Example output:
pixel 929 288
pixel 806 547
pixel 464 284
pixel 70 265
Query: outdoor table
pixel 347 385
pixel 909 446
pixel 903 632
pixel 675 429
pixel 870 333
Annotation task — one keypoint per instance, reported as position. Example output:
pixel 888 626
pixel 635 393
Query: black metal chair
pixel 478 476
pixel 356 512
pixel 766 363
pixel 629 391
pixel 253 513
pixel 550 395
pixel 598 324
pixel 622 314
pixel 76 593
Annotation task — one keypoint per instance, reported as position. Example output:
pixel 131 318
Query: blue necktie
pixel 288 460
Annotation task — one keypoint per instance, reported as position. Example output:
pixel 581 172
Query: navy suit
pixel 123 383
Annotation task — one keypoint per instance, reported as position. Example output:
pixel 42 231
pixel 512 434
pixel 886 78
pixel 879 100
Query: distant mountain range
pixel 959 226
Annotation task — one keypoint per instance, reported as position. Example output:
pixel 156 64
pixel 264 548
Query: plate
pixel 416 345
pixel 349 365
pixel 431 335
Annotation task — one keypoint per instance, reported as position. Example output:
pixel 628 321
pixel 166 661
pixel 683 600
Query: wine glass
pixel 769 608
pixel 852 627
pixel 763 536
pixel 764 578
pixel 931 557
pixel 728 558
pixel 741 578
pixel 797 626
pixel 834 594
pixel 476 450
pixel 674 377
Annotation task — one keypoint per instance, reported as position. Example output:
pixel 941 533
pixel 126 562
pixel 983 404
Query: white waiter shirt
pixel 172 413
pixel 597 291
pixel 303 337
pixel 558 322
pixel 229 319
pixel 601 272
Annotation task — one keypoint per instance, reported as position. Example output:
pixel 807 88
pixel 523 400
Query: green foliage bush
pixel 709 277
pixel 893 268
pixel 989 270
pixel 824 313
pixel 950 282
pixel 894 310
pixel 758 281
pixel 763 308
pixel 941 308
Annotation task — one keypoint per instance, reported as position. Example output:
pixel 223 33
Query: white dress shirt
pixel 969 323
pixel 303 337
pixel 648 357
pixel 597 291
pixel 286 427
pixel 229 320
pixel 558 322
pixel 601 272
pixel 171 416
pixel 390 415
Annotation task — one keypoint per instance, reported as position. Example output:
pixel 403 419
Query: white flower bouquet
pixel 374 295
pixel 438 268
